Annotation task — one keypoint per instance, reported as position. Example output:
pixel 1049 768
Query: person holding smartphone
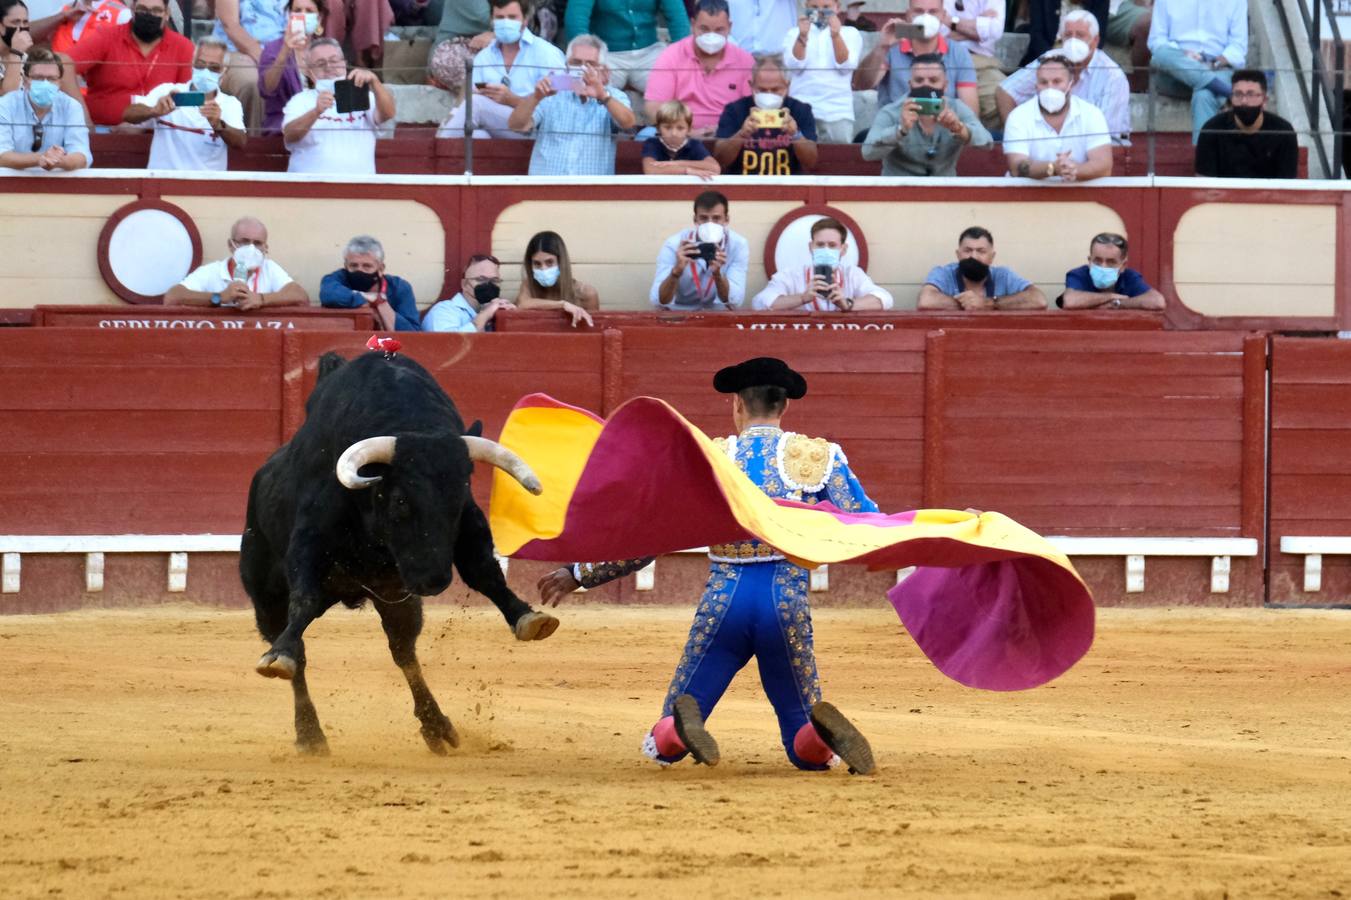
pixel 194 122
pixel 320 133
pixel 280 60
pixel 826 283
pixel 924 132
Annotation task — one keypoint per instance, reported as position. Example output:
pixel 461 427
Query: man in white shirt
pixel 1097 77
pixel 758 25
pixel 245 280
pixel 187 137
pixel 1055 134
pixel 1197 46
pixel 320 138
pixel 821 54
pixel 687 278
pixel 482 282
pixel 979 24
pixel 812 288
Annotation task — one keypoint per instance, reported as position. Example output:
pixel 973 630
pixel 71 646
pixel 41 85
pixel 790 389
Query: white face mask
pixel 768 101
pixel 1076 50
pixel 929 23
pixel 711 42
pixel 710 233
pixel 1051 99
pixel 248 258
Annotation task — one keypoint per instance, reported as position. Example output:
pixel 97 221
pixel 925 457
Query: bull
pixel 370 501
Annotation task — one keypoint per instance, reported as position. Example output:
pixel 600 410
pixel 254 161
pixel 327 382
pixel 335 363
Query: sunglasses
pixel 37 138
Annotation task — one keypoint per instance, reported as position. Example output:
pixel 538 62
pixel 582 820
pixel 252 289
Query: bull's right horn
pixel 370 450
pixel 484 450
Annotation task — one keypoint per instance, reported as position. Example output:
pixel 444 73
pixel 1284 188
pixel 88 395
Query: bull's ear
pixel 476 429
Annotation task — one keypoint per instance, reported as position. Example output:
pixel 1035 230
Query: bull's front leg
pixel 475 562
pixel 305 568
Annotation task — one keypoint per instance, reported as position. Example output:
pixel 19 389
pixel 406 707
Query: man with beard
pixel 973 283
pixel 1247 141
pixel 1055 134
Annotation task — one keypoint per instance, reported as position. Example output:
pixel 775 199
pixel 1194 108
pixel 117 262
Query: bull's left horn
pixel 365 452
pixel 493 453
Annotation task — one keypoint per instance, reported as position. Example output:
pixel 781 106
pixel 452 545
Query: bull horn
pixel 493 453
pixel 365 452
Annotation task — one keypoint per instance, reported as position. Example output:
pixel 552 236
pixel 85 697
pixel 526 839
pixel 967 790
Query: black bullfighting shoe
pixel 841 736
pixel 689 726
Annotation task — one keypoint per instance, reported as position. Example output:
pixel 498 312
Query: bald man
pixel 245 280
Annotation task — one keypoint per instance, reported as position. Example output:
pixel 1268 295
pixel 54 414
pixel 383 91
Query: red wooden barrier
pixel 196 318
pixel 1310 463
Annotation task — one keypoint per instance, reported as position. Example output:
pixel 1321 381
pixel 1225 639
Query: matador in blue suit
pixel 755 602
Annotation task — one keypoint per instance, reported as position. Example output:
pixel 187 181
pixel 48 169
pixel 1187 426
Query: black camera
pixel 708 251
pixel 827 273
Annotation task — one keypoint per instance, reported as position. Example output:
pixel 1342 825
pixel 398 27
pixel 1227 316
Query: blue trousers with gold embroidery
pixel 759 610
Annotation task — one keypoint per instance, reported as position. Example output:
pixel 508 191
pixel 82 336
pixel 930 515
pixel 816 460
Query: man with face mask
pixel 1097 77
pixel 1055 134
pixel 973 282
pixel 363 281
pixel 1106 283
pixel 704 71
pixel 887 66
pixel 910 141
pixel 1248 141
pixel 193 138
pixel 476 306
pixel 126 61
pixel 43 129
pixel 821 54
pixel 752 143
pixel 703 267
pixel 245 280
pixel 318 136
pixel 828 283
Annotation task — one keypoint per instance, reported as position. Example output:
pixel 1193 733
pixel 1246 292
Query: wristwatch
pixel 848 304
pixel 1116 303
pixel 215 299
pixel 955 22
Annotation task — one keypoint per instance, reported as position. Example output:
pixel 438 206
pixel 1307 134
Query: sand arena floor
pixel 1191 754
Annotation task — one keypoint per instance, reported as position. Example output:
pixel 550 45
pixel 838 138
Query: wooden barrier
pixel 197 318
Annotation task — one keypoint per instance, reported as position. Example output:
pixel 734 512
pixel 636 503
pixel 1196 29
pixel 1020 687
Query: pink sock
pixel 809 747
pixel 668 742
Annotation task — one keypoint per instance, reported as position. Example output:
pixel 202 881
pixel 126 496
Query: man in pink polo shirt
pixel 704 70
pixel 123 61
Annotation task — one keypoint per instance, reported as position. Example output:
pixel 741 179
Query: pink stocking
pixel 809 747
pixel 668 742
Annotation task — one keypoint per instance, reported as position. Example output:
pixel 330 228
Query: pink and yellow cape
pixel 992 604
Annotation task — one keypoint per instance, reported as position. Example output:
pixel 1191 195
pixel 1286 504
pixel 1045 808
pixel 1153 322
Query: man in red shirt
pixel 122 61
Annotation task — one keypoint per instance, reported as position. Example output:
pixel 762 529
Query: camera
pixel 707 251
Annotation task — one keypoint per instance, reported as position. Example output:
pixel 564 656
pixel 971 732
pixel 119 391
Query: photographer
pixel 923 133
pixel 320 135
pixel 828 284
pixel 703 267
pixel 822 54
pixel 767 133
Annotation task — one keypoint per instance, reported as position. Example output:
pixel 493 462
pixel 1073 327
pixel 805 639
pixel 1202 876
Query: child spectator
pixel 673 151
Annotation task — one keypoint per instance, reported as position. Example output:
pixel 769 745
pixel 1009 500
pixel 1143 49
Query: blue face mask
pixel 546 277
pixel 42 93
pixel 205 80
pixel 326 84
pixel 825 256
pixel 1103 276
pixel 508 31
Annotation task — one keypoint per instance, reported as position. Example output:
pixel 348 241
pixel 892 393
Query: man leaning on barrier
pixel 245 280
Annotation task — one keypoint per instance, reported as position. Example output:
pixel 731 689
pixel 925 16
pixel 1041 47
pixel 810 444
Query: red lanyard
pixel 694 273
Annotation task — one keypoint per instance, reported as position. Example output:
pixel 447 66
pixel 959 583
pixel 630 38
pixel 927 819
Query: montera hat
pixel 763 371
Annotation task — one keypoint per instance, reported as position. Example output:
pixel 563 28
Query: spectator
pixel 629 29
pixel 758 25
pixel 1106 283
pixel 1196 46
pixel 505 73
pixel 687 278
pixel 853 15
pixel 1248 141
pixel 1043 24
pixel 973 282
pixel 42 128
pixel 245 26
pixel 910 141
pixel 978 25
pixel 1128 26
pixel 279 62
pixel 124 60
pixel 811 289
pixel 247 279
pixel 362 281
pixel 1055 134
pixel 1097 77
pixel 704 71
pixel 16 39
pixel 574 127
pixel 672 151
pixel 547 282
pixel 466 28
pixel 320 138
pixel 193 138
pixel 887 66
pixel 362 25
pixel 476 306
pixel 77 21
pixel 750 143
pixel 821 54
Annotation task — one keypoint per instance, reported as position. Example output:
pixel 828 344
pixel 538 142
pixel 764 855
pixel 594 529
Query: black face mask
pixel 1247 114
pixel 973 269
pixel 11 31
pixel 147 26
pixel 486 292
pixel 362 281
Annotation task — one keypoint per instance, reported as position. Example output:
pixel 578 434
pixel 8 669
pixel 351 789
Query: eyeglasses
pixel 238 243
pixel 1248 95
pixel 484 279
pixel 37 138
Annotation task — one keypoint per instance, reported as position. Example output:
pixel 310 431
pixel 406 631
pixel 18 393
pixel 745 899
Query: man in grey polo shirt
pixel 912 141
pixel 974 283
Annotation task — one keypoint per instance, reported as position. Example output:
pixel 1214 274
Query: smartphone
pixel 348 98
pixel 562 81
pixel 769 118
pixel 928 106
pixel 907 32
pixel 295 24
pixel 826 272
pixel 189 98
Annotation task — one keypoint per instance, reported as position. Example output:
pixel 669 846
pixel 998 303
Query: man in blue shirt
pixel 887 66
pixel 41 128
pixel 974 283
pixel 476 306
pixel 1197 47
pixel 362 281
pixel 1106 283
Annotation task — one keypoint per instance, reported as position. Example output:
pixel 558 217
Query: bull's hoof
pixel 440 736
pixel 276 665
pixel 535 626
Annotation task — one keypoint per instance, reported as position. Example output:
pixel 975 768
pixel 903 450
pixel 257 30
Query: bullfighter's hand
pixel 556 585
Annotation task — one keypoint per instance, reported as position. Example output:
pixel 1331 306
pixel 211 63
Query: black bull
pixel 322 531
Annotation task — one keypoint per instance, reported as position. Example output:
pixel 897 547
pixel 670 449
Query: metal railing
pixel 1322 91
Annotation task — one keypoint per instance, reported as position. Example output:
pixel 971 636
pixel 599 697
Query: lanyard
pixel 820 303
pixel 700 291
